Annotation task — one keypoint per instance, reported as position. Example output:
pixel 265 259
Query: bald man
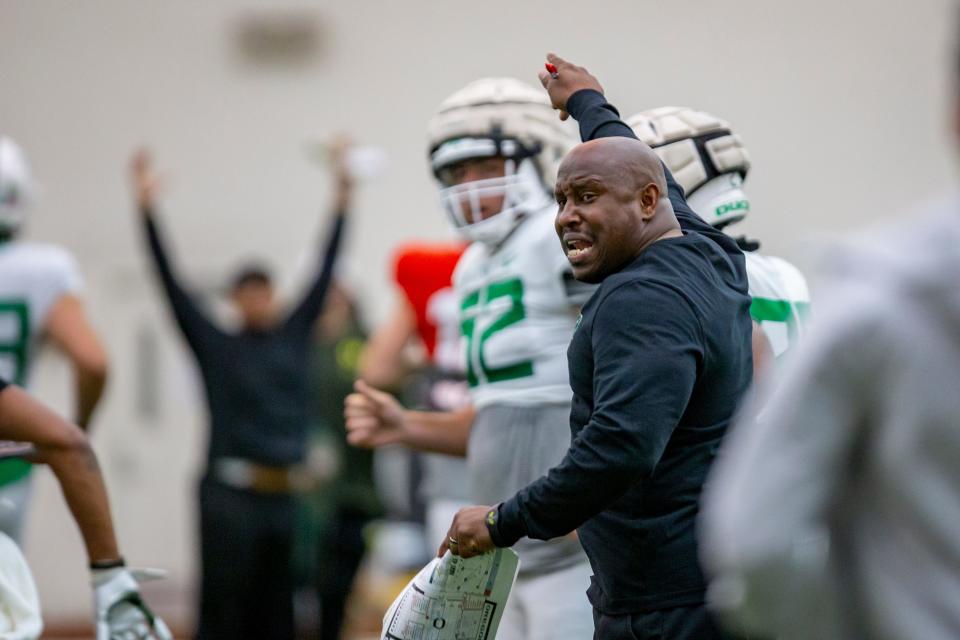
pixel 658 363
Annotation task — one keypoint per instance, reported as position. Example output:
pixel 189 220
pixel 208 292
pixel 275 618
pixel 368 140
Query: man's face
pixel 472 170
pixel 600 215
pixel 255 304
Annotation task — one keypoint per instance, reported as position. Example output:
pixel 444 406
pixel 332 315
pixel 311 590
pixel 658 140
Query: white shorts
pixel 549 606
pixel 14 498
pixel 19 603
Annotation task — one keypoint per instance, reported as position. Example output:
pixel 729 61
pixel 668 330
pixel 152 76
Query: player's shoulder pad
pixel 49 256
pixel 50 261
pixel 538 233
pixel 786 272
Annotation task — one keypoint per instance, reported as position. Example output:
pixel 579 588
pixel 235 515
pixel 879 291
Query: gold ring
pixel 452 540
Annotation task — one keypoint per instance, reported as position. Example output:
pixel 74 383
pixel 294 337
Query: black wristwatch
pixel 492 520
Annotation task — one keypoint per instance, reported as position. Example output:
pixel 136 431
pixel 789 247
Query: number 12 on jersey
pixel 476 306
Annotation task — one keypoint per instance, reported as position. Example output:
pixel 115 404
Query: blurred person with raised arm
pixel 257 385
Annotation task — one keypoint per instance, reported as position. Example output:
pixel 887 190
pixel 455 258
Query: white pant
pixel 19 604
pixel 13 507
pixel 549 606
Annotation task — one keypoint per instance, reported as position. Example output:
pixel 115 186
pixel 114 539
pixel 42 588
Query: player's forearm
pixel 90 385
pixel 382 363
pixel 78 474
pixel 439 432
pixel 593 474
pixel 66 449
pixel 383 373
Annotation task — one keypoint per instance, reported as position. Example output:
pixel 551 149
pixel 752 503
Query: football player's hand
pixel 343 180
pixel 374 418
pixel 144 179
pixel 570 79
pixel 119 611
pixel 468 535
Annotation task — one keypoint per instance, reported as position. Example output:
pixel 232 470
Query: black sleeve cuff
pixel 100 565
pixel 597 117
pixel 578 103
pixel 508 526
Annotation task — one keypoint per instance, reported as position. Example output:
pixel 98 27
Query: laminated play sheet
pixel 454 599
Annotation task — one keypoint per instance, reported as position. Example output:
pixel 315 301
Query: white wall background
pixel 842 104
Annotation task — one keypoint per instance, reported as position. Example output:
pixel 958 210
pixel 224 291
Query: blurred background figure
pixel 419 352
pixel 711 163
pixel 39 302
pixel 834 509
pixel 257 384
pixel 343 499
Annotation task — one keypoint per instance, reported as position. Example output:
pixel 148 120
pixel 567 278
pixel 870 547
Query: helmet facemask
pixel 520 190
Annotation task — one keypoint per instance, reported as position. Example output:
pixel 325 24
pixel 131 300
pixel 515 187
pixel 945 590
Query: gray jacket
pixel 834 508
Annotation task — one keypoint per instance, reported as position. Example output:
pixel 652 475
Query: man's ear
pixel 649 198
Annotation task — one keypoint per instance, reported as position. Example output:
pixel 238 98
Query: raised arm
pixel 195 325
pixel 311 305
pixel 383 363
pixel 575 92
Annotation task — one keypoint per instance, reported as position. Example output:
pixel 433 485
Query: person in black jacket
pixel 658 364
pixel 258 395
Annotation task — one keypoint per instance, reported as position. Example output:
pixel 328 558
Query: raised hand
pixel 144 179
pixel 339 151
pixel 569 79
pixel 374 418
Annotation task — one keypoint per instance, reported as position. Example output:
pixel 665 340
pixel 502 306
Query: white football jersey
pixel 32 278
pixel 518 310
pixel 781 300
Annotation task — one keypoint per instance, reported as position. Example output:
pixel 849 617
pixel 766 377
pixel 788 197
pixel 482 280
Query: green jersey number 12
pixel 476 344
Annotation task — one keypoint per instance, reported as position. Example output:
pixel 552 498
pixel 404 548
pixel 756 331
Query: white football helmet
pixel 497 117
pixel 16 186
pixel 704 155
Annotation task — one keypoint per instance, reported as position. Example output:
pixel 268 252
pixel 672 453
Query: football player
pixel 494 149
pixel 426 314
pixel 119 610
pixel 39 299
pixel 710 162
